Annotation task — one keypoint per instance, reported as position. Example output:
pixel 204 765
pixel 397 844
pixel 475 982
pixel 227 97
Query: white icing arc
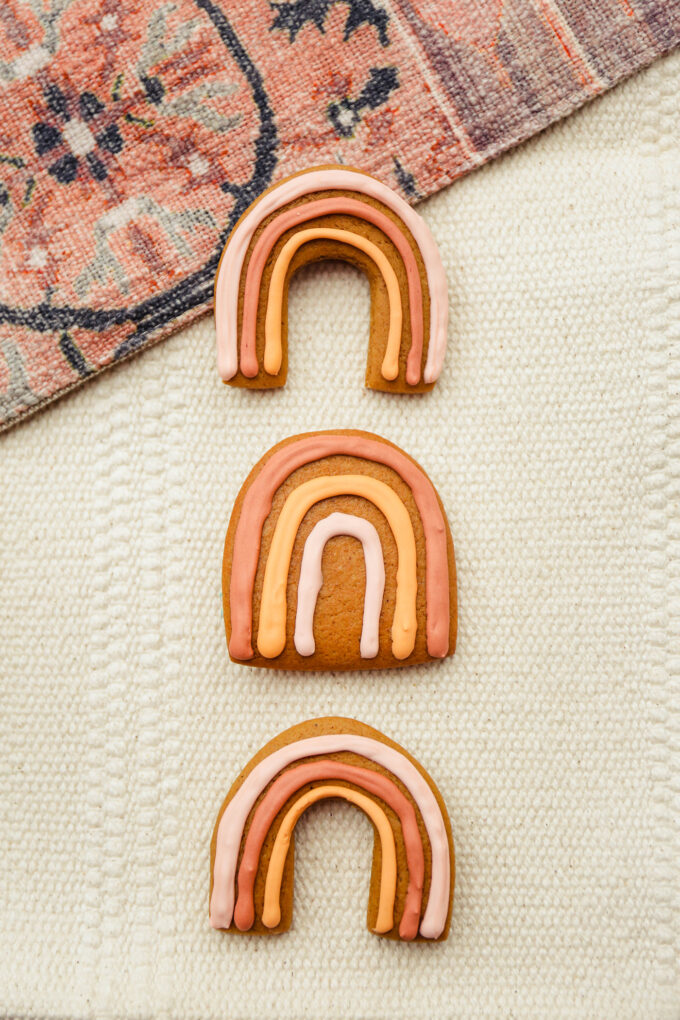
pixel 311 579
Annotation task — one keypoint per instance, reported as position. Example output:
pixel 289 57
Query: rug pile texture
pixel 136 132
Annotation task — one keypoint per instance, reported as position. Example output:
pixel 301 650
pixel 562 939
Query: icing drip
pixel 311 579
pixel 271 637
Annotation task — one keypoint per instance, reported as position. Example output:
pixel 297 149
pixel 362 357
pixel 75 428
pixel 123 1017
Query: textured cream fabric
pixel 554 734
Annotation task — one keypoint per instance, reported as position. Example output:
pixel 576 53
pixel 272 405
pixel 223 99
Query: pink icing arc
pixel 311 579
pixel 257 504
pixel 228 279
pixel 301 214
pixel 233 820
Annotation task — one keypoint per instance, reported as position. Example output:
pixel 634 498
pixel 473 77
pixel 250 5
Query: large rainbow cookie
pixel 332 212
pixel 253 848
pixel 326 523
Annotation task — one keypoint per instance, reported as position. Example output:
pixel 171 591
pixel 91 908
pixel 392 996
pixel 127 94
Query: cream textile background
pixel 554 734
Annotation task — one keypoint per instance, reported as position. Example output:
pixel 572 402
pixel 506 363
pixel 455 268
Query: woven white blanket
pixel 554 734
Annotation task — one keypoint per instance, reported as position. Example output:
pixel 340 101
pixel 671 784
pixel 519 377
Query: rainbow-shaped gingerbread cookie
pixel 252 851
pixel 332 212
pixel 338 555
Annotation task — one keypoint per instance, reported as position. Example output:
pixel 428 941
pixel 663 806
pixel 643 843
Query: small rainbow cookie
pixel 253 844
pixel 338 555
pixel 332 212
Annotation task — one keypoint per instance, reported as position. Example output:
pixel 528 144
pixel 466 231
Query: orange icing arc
pixel 271 911
pixel 273 353
pixel 271 638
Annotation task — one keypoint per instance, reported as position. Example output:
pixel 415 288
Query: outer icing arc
pixel 271 911
pixel 331 179
pixel 231 825
pixel 271 638
pixel 303 213
pixel 311 580
pixel 257 503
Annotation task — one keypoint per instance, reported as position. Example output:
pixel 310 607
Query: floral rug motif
pixel 135 133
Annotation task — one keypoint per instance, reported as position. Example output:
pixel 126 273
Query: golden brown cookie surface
pixel 252 849
pixel 332 212
pixel 338 555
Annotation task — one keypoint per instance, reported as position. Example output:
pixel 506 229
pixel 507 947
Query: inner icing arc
pixel 228 280
pixel 311 580
pixel 271 912
pixel 257 504
pixel 295 217
pixel 287 784
pixel 273 351
pixel 271 637
pixel 231 825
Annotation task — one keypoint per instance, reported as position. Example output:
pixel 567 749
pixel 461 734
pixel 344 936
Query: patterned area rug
pixel 135 133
